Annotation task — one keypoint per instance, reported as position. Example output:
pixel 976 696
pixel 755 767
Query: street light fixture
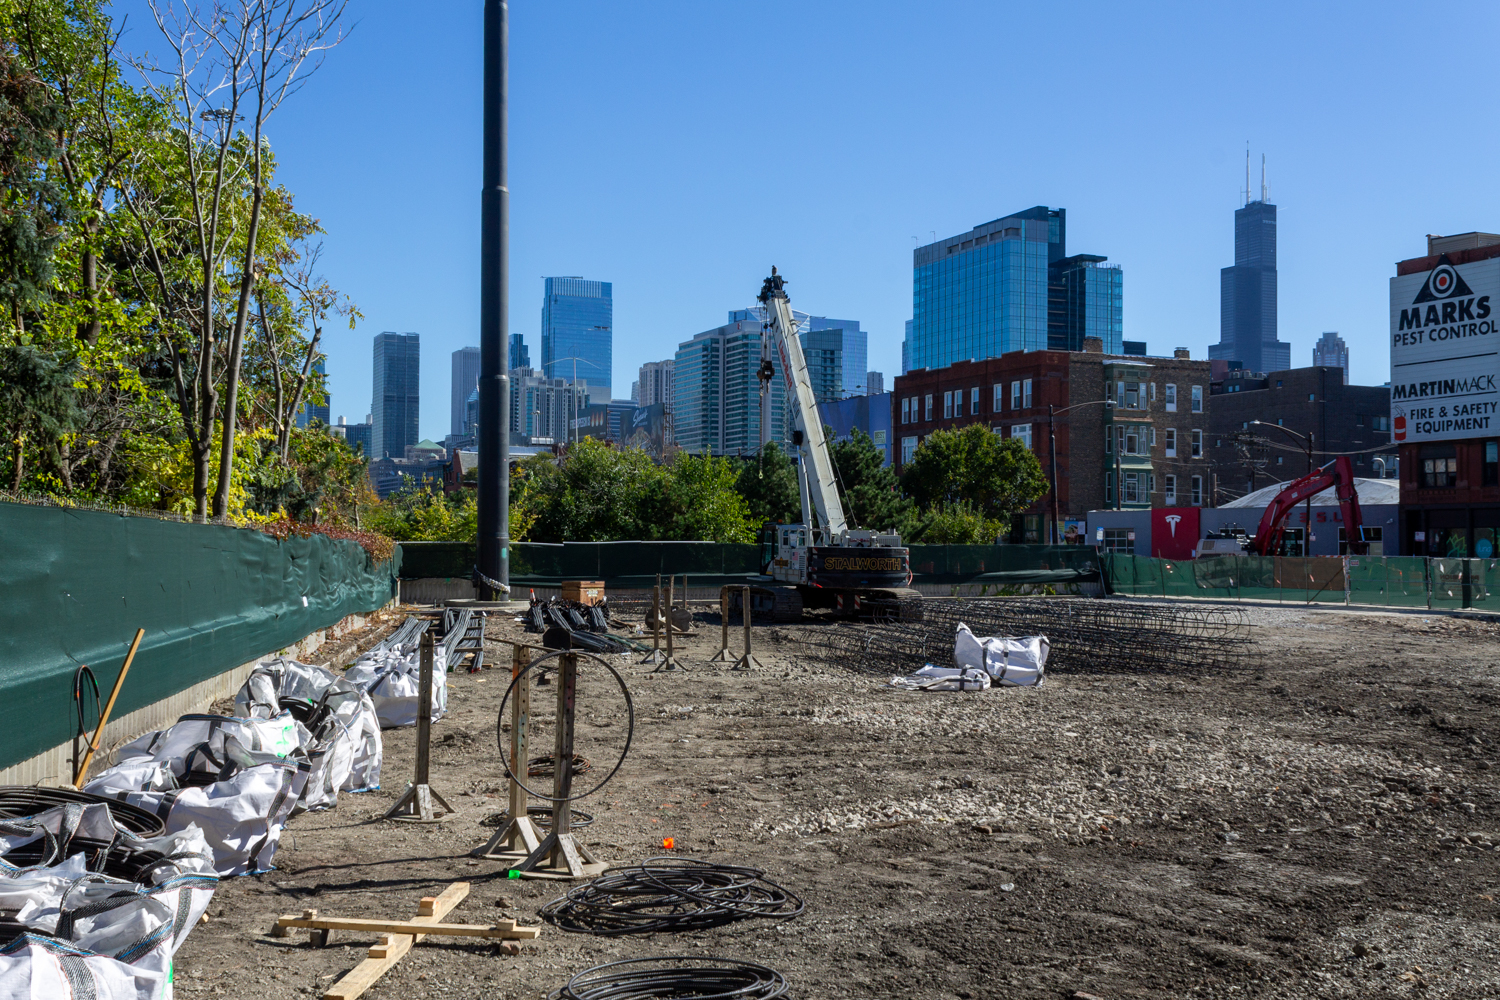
pixel 1052 412
pixel 574 384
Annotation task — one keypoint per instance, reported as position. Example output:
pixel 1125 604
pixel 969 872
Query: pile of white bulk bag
pixel 391 676
pixel 1009 661
pixel 935 678
pixel 339 716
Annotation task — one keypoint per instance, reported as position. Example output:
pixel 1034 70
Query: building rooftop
pixel 1371 492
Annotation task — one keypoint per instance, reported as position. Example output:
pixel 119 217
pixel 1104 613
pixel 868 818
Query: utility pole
pixel 494 304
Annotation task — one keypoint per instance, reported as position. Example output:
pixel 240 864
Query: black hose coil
pixel 20 801
pixel 675 976
pixel 670 894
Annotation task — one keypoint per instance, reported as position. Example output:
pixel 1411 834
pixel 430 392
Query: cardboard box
pixel 590 592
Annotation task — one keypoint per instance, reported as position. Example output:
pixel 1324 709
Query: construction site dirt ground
pixel 1320 820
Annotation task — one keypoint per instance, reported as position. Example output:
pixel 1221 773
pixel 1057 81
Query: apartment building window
pixel 974 401
pixel 1171 439
pixel 1132 441
pixel 1197 444
pixel 1120 540
pixel 927 406
pixel 1170 398
pixel 1022 433
pixel 1197 495
pixel 1171 498
pixel 1109 438
pixel 1439 466
pixel 1197 399
pixel 1491 463
pixel 947 405
pixel 905 410
pixel 1132 395
pixel 1026 391
pixel 1153 392
pixel 908 448
pixel 1153 437
pixel 1132 484
pixel 1380 423
pixel 999 396
pixel 1109 487
pixel 1015 395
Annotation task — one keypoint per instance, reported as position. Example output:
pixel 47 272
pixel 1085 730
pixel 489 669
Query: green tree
pixel 701 502
pixel 872 493
pixel 416 513
pixel 999 477
pixel 957 524
pixel 36 403
pixel 768 482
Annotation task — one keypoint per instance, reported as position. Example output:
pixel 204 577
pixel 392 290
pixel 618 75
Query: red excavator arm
pixel 1339 473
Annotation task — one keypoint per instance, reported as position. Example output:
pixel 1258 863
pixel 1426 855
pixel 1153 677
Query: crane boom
pixel 815 470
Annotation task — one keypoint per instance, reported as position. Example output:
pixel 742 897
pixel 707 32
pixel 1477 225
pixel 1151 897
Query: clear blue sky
pixel 681 149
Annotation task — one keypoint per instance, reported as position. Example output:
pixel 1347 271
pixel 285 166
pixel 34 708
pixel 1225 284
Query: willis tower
pixel 1247 291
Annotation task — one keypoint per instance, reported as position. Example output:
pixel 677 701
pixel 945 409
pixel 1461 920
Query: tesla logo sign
pixel 1172 520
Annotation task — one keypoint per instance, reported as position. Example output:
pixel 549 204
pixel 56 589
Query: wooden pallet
pixel 397 936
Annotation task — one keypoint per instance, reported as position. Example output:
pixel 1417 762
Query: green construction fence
pixel 630 565
pixel 76 584
pixel 1390 581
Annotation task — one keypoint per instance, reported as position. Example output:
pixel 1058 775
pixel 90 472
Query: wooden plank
pixel 368 972
pixel 503 929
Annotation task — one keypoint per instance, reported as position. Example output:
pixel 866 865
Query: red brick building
pixel 1150 440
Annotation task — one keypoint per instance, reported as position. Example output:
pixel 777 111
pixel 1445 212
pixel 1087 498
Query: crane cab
pixel 783 552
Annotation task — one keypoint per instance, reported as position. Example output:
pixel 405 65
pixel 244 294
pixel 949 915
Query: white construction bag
pixel 934 678
pixel 335 711
pixel 40 968
pixel 241 817
pixel 1010 661
pixel 391 678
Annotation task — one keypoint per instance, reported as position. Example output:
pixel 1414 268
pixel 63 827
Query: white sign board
pixel 1445 352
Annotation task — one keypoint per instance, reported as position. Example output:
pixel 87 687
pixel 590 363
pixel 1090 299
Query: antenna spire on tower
pixel 1263 193
pixel 1247 171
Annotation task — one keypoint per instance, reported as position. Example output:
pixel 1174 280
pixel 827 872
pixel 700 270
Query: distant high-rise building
pixel 716 401
pixel 1247 291
pixel 578 333
pixel 542 410
pixel 1009 285
pixel 635 391
pixel 1086 298
pixel 397 398
pixel 465 381
pixel 520 357
pixel 1331 352
pixel 308 412
pixel 874 383
pixel 837 351
pixel 358 436
pixel 905 344
pixel 655 385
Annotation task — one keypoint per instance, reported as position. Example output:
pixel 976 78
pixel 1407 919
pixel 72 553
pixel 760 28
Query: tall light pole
pixel 1307 442
pixel 1052 413
pixel 494 302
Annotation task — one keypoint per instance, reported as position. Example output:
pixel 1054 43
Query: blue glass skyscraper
pixel 308 412
pixel 984 293
pixel 578 329
pixel 520 357
pixel 397 398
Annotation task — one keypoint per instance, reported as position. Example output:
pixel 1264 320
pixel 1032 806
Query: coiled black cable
pixel 670 894
pixel 675 976
pixel 19 801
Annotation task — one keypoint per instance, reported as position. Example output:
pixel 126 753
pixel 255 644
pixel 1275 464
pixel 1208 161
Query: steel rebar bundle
pixel 675 976
pixel 670 894
pixel 1087 635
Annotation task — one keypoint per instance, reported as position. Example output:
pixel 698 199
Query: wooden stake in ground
pixel 670 663
pixel 565 857
pixel 88 757
pixel 415 805
pixel 655 655
pixel 518 825
pixel 723 655
pixel 747 660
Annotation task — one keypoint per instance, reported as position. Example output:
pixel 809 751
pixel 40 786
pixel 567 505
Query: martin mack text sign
pixel 1445 352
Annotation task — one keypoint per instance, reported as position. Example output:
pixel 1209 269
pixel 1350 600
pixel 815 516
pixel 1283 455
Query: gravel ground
pixel 1321 821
